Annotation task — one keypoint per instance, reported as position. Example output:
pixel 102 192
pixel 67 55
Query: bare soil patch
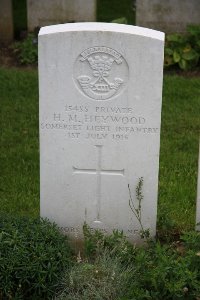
pixel 9 59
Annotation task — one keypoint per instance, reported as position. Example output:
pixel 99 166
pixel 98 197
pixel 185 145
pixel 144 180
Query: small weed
pixel 144 233
pixel 95 243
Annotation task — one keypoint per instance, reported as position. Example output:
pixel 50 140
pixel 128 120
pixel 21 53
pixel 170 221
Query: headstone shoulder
pixel 103 27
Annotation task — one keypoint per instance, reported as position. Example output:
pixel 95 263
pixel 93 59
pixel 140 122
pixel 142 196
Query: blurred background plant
pixel 183 50
pixel 27 50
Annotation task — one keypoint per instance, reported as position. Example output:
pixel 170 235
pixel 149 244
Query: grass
pixel 19 188
pixel 179 152
pixel 19 159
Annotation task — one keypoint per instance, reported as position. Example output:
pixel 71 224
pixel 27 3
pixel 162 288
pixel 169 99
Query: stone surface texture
pixel 198 197
pixel 49 12
pixel 100 114
pixel 168 16
pixel 6 22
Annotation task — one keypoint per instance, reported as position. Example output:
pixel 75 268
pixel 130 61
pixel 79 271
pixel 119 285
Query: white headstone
pixel 198 197
pixel 100 110
pixel 49 12
pixel 169 16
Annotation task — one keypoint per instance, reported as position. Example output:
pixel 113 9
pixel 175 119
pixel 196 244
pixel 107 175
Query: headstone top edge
pixel 105 27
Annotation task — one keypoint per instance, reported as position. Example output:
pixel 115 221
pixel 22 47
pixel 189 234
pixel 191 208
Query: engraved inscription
pixel 99 123
pixel 98 171
pixel 100 73
pixel 76 231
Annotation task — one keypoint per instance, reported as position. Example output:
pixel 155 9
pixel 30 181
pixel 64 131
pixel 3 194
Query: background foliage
pixel 183 50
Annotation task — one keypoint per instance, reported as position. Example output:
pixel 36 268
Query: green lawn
pixel 179 151
pixel 19 155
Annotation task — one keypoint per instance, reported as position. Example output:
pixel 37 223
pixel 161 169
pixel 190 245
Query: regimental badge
pixel 100 73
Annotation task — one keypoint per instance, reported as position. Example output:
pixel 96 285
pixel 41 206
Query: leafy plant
pixel 27 50
pixel 95 243
pixel 156 271
pixel 183 50
pixel 191 240
pixel 163 272
pixel 33 256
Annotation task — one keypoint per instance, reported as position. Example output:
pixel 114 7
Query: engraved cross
pixel 99 171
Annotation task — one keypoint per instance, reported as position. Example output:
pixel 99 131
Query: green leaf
pixel 168 61
pixel 121 20
pixel 168 51
pixel 190 55
pixel 183 64
pixel 193 29
pixel 175 38
pixel 187 48
pixel 176 56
